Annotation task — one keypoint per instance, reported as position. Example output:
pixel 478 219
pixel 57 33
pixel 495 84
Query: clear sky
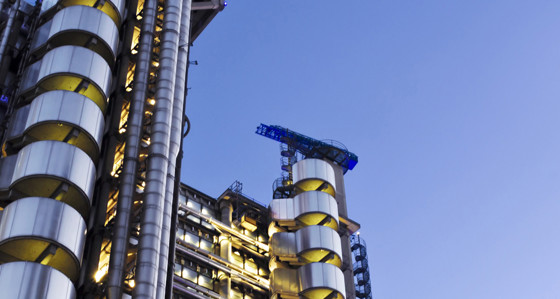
pixel 451 106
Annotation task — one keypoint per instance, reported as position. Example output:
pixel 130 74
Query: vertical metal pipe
pixel 119 247
pixel 173 232
pixel 174 142
pixel 7 31
pixel 147 261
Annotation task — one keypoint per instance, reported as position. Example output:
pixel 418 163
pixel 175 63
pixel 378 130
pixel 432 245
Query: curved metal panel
pixel 283 245
pixel 23 280
pixel 309 208
pixel 55 169
pixel 44 230
pixel 81 26
pixel 55 114
pixel 316 208
pixel 319 280
pixel 314 174
pixel 114 9
pixel 282 209
pixel 284 282
pixel 319 244
pixel 70 68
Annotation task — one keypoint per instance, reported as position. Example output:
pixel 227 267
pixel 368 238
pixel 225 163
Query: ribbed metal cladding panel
pixel 76 25
pixel 69 108
pixel 27 280
pixel 310 174
pixel 319 277
pixel 318 237
pixel 73 62
pixel 58 161
pixel 30 224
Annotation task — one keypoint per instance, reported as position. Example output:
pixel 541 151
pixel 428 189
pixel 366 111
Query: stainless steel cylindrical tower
pixel 56 136
pixel 303 235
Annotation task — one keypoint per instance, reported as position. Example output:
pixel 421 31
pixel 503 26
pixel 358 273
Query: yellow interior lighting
pixel 318 219
pixel 318 255
pixel 321 293
pixel 124 117
pixel 314 185
pixel 59 131
pixel 119 159
pixel 45 186
pixel 30 249
pixel 107 8
pixel 71 83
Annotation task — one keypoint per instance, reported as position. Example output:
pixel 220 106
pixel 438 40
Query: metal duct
pixel 6 36
pixel 152 217
pixel 119 245
pixel 174 142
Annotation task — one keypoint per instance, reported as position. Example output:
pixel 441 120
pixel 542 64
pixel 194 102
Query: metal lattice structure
pixel 309 147
pixel 360 267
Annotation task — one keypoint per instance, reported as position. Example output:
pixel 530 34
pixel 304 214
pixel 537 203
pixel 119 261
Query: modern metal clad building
pixel 92 97
pixel 91 102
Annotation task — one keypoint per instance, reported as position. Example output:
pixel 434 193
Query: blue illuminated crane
pixel 309 147
pixel 292 142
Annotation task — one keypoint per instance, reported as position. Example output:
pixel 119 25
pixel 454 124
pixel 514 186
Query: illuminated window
pixel 180 233
pixel 191 239
pixel 182 199
pixel 251 266
pixel 206 245
pixel 205 281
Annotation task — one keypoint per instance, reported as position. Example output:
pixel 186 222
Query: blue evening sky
pixel 451 106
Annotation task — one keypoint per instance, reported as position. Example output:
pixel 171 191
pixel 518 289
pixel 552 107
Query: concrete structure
pixel 91 109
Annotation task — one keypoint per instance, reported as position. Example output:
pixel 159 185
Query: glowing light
pixel 131 283
pixel 225 3
pixel 100 273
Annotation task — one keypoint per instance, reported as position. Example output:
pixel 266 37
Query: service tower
pixel 310 229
